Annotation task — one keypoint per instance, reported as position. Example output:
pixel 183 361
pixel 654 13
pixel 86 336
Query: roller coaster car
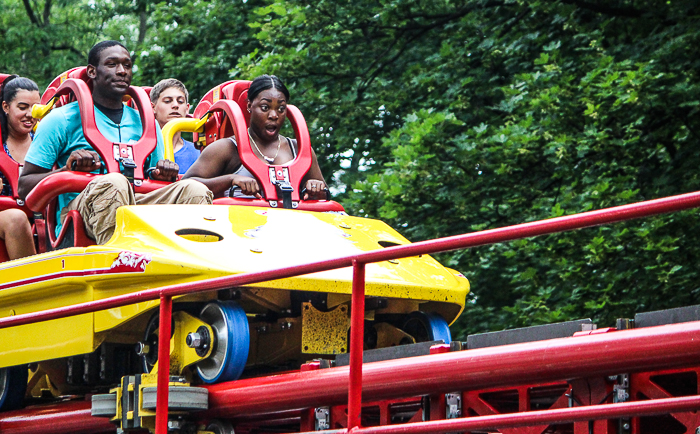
pixel 217 336
pixel 222 113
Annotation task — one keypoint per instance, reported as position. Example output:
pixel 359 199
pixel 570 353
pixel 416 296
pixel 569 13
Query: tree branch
pixel 606 10
pixel 422 30
pixel 67 48
pixel 457 13
pixel 442 19
pixel 47 12
pixel 515 21
pixel 30 13
pixel 143 27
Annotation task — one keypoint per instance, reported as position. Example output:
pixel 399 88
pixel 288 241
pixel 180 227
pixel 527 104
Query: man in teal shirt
pixel 60 142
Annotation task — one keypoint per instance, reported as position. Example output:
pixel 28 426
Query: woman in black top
pixel 219 167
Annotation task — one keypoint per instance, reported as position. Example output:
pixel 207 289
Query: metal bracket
pixel 453 405
pixel 324 332
pixel 279 177
pixel 132 405
pixel 621 393
pixel 124 154
pixel 285 190
pixel 128 411
pixel 322 416
pixel 129 167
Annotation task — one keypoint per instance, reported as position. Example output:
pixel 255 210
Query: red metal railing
pixel 561 415
pixel 635 350
pixel 64 418
pixel 559 224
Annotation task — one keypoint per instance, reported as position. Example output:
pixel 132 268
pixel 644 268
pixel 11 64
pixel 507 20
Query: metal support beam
pixel 636 350
pixel 166 309
pixel 63 418
pixel 357 327
pixel 542 417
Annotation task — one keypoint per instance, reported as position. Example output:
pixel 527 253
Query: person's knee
pixel 195 192
pixel 111 190
pixel 193 186
pixel 13 221
pixel 16 219
pixel 113 181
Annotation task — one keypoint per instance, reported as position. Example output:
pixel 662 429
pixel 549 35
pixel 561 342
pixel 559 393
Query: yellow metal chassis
pixel 159 245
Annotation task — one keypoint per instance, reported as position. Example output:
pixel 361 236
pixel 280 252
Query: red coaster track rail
pixel 659 347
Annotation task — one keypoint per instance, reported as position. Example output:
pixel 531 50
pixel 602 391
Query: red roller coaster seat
pixel 75 85
pixel 226 105
pixel 10 169
pixel 132 103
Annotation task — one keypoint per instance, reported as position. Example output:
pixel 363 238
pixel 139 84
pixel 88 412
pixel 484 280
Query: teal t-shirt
pixel 61 132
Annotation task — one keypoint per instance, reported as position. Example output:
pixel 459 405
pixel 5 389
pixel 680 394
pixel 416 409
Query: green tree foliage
pixel 445 117
pixel 41 39
pixel 197 42
pixel 451 117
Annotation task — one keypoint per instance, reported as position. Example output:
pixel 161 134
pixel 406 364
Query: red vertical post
pixel 357 333
pixel 166 309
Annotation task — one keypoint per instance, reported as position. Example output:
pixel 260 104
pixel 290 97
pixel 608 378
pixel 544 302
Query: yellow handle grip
pixel 177 125
pixel 40 110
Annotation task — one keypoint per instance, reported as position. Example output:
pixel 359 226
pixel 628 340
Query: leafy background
pixel 446 117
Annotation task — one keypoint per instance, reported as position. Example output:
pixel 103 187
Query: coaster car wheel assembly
pixel 13 385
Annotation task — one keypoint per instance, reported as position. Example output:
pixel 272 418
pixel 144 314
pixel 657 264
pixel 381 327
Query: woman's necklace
pixel 268 159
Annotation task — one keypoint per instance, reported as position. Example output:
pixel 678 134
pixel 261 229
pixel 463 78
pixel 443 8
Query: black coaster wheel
pixel 426 327
pixel 13 386
pixel 220 427
pixel 149 356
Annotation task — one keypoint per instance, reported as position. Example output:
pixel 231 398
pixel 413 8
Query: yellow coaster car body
pixel 160 245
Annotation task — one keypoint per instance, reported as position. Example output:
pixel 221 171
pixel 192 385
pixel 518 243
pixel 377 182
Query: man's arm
pixel 44 152
pixel 215 167
pixel 30 177
pixel 80 161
